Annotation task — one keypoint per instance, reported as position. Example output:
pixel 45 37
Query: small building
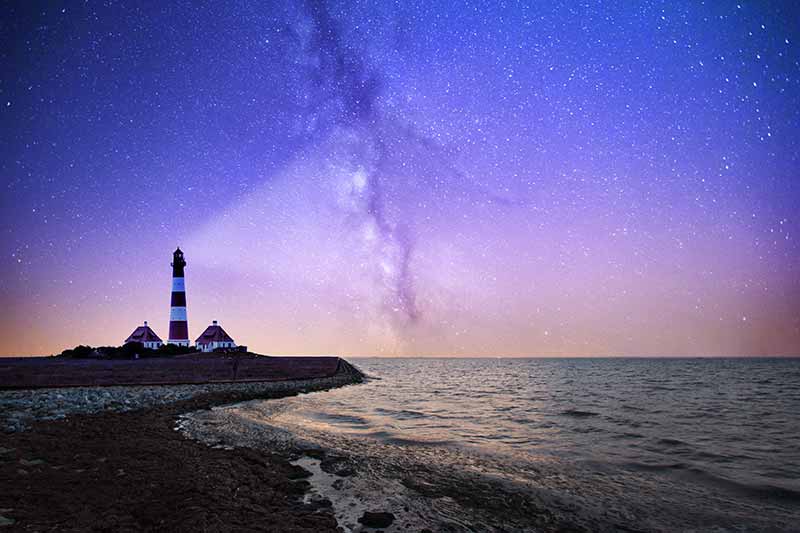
pixel 214 337
pixel 146 336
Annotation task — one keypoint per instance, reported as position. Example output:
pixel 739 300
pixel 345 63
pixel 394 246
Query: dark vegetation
pixel 131 350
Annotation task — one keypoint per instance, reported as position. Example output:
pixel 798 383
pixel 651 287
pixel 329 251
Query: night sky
pixel 409 178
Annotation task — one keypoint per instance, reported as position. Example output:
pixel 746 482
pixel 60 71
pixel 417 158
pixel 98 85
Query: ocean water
pixel 547 444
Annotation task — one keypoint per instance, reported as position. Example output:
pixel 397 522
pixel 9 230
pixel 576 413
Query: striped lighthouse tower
pixel 178 326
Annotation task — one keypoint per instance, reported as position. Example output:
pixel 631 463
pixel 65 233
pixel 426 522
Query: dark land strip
pixel 132 471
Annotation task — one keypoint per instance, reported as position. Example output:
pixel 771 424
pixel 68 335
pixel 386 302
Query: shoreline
pixel 19 407
pixel 126 468
pixel 423 445
pixel 400 484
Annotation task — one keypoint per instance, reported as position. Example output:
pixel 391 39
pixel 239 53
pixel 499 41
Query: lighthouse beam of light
pixel 353 165
pixel 354 90
pixel 340 151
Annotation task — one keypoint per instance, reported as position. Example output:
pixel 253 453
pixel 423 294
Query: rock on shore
pixel 376 519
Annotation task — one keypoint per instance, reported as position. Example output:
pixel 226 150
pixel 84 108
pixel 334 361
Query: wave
pixel 686 471
pixel 404 414
pixel 672 442
pixel 342 418
pixel 627 435
pixel 655 467
pixel 575 413
pixel 761 491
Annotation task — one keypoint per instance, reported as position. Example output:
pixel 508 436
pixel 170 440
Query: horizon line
pixel 440 356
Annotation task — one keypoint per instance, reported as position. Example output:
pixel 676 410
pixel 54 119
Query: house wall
pixel 210 347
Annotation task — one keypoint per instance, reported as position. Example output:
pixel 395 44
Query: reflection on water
pixel 644 444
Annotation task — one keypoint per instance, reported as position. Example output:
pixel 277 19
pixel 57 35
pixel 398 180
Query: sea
pixel 507 444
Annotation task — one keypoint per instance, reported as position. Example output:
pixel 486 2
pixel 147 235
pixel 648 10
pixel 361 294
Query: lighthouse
pixel 178 325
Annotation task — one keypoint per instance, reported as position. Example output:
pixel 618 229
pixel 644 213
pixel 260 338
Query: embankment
pixel 113 461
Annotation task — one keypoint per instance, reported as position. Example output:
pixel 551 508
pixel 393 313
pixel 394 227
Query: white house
pixel 214 337
pixel 146 336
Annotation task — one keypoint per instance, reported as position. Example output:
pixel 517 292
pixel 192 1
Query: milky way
pixel 418 178
pixel 356 89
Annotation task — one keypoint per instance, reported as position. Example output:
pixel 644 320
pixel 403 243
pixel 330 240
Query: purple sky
pixel 416 178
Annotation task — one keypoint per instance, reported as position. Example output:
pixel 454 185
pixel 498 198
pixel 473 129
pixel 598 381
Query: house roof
pixel 143 334
pixel 213 333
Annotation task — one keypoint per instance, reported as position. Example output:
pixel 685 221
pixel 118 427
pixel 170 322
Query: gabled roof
pixel 143 334
pixel 213 333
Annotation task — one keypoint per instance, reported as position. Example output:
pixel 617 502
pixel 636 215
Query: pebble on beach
pixel 18 408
